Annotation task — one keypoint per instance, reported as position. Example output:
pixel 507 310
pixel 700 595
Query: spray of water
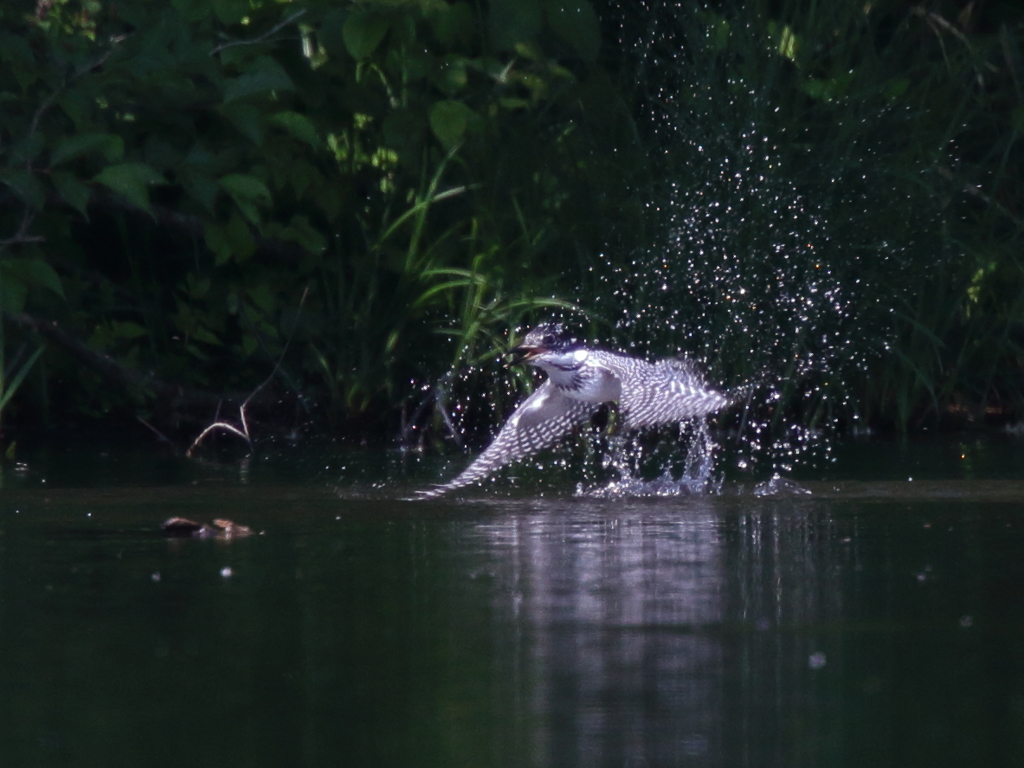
pixel 740 270
pixel 742 280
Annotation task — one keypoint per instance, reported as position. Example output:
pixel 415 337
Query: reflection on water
pixel 618 614
pixel 866 624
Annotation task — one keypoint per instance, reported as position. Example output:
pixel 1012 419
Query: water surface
pixel 878 620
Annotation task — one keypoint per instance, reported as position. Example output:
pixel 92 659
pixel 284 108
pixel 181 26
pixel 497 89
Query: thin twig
pixel 160 435
pixel 22 236
pixel 276 28
pixel 84 69
pixel 244 431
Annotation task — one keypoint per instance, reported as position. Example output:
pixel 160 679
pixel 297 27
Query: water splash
pixel 742 278
pixel 749 266
pixel 627 455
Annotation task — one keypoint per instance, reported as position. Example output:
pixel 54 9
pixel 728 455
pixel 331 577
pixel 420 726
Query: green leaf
pixel 895 88
pixel 231 241
pixel 788 42
pixel 827 90
pixel 576 23
pixel 27 149
pixel 199 185
pixel 718 33
pixel 25 185
pixel 33 273
pixel 230 11
pixel 302 232
pixel 262 297
pixel 248 119
pixel 126 330
pixel 449 120
pixel 73 190
pixel 363 31
pixel 248 192
pixel 111 145
pixel 205 335
pixel 299 126
pixel 16 53
pixel 130 180
pixel 264 75
pixel 452 76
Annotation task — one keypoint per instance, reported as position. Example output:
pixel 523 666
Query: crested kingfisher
pixel 579 381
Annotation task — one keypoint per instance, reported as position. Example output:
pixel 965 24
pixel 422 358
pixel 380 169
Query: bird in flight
pixel 579 381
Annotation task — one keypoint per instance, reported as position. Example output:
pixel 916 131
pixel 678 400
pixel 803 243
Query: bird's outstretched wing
pixel 543 418
pixel 663 393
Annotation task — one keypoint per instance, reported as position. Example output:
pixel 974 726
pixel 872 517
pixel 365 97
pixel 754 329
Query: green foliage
pixel 365 188
pixel 899 126
pixel 373 193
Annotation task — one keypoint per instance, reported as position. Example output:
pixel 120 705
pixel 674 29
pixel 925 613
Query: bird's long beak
pixel 524 353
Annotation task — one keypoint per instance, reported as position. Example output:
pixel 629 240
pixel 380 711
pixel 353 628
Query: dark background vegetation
pixel 358 202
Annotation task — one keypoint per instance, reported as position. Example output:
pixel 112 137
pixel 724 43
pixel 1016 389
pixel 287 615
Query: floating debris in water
pixel 218 529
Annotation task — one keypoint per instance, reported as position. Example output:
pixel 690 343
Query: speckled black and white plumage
pixel 659 393
pixel 579 381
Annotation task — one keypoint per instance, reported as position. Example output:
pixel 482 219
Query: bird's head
pixel 549 345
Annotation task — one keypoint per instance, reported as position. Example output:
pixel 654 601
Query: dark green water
pixel 875 622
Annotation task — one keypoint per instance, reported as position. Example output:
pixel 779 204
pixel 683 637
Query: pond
pixel 878 620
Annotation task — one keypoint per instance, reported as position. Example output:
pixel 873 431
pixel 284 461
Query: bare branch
pixel 272 31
